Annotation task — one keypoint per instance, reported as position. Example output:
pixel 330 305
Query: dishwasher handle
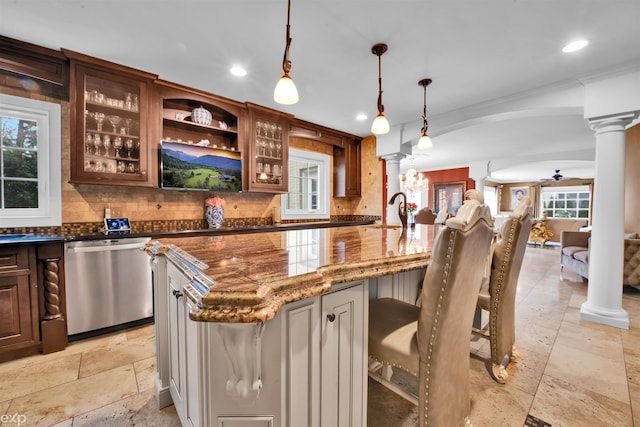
pixel 106 248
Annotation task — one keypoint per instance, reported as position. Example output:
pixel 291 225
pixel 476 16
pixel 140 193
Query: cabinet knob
pixel 177 293
pixel 331 317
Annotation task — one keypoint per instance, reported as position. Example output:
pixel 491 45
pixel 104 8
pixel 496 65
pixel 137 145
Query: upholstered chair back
pixel 425 216
pixel 449 294
pixel 499 298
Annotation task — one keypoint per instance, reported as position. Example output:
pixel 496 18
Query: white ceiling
pixel 476 52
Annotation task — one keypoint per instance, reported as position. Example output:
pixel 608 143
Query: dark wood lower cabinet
pixel 19 332
pixel 32 315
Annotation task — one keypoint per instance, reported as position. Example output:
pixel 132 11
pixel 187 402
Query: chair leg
pixel 515 353
pixel 499 373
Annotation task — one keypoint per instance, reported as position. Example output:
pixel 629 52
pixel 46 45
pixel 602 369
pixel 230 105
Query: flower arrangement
pixel 411 207
pixel 216 202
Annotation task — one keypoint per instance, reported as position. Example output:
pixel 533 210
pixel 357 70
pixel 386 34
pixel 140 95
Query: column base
pixel 616 318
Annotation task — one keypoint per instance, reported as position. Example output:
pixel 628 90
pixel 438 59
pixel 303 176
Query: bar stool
pixel 432 341
pixel 497 296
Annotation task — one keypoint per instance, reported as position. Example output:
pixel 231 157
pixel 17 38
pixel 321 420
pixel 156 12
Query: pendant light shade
pixel 286 92
pixel 424 143
pixel 380 125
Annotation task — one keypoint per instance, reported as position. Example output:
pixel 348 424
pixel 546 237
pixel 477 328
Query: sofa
pixel 574 253
pixel 558 225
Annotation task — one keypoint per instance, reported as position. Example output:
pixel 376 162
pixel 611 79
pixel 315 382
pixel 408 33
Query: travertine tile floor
pixel 572 373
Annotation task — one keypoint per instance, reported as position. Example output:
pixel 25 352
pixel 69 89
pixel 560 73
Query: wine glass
pixel 99 117
pixel 97 143
pixel 278 150
pixel 129 144
pixel 88 142
pixel 117 144
pixel 127 123
pixel 115 121
pixel 106 143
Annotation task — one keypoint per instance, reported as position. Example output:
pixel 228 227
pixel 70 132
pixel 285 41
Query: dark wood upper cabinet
pixel 268 160
pixel 307 130
pixel 346 155
pixel 33 68
pixel 176 104
pixel 347 169
pixel 109 123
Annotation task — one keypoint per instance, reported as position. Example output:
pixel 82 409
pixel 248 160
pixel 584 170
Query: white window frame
pixel 567 189
pixel 49 119
pixel 324 193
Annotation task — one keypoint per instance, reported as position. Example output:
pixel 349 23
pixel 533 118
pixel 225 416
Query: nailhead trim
pixel 499 285
pixel 434 328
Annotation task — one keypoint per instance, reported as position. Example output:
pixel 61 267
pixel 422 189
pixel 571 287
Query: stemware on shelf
pixel 97 142
pixel 117 144
pixel 99 117
pixel 106 143
pixel 129 145
pixel 115 121
pixel 128 122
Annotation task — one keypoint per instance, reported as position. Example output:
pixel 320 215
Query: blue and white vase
pixel 214 216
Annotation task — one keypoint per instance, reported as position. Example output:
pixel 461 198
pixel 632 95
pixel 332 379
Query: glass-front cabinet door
pixel 109 143
pixel 269 147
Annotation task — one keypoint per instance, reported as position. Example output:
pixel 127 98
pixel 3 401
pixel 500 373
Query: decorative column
pixel 478 171
pixel 53 326
pixel 393 185
pixel 604 294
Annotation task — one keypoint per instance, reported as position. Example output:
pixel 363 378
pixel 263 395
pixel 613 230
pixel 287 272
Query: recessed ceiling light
pixel 237 70
pixel 361 117
pixel 575 45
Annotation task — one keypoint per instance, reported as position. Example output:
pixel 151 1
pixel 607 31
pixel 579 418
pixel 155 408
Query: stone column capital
pixel 394 157
pixel 612 123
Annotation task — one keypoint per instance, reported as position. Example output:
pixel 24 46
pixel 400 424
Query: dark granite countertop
pixel 98 235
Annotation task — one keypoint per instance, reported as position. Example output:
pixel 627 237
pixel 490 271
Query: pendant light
pixel 424 143
pixel 380 125
pixel 285 92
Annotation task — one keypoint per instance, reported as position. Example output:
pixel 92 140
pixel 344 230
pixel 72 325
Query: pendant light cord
pixel 424 112
pixel 286 63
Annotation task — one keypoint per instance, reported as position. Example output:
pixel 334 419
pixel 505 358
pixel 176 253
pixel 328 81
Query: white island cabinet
pixel 270 329
pixel 304 367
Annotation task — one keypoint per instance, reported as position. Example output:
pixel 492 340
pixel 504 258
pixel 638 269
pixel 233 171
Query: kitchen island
pixel 270 329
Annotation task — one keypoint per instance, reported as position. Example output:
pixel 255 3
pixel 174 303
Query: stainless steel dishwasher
pixel 108 285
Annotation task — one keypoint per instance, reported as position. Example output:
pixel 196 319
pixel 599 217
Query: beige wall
pixel 632 181
pixel 86 203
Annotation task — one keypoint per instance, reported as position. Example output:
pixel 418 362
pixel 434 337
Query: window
pixel 566 202
pixel 308 195
pixel 491 199
pixel 30 171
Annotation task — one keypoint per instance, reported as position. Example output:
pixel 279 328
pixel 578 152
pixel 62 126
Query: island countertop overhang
pixel 248 278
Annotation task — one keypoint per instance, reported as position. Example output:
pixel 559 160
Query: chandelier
pixel 413 181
